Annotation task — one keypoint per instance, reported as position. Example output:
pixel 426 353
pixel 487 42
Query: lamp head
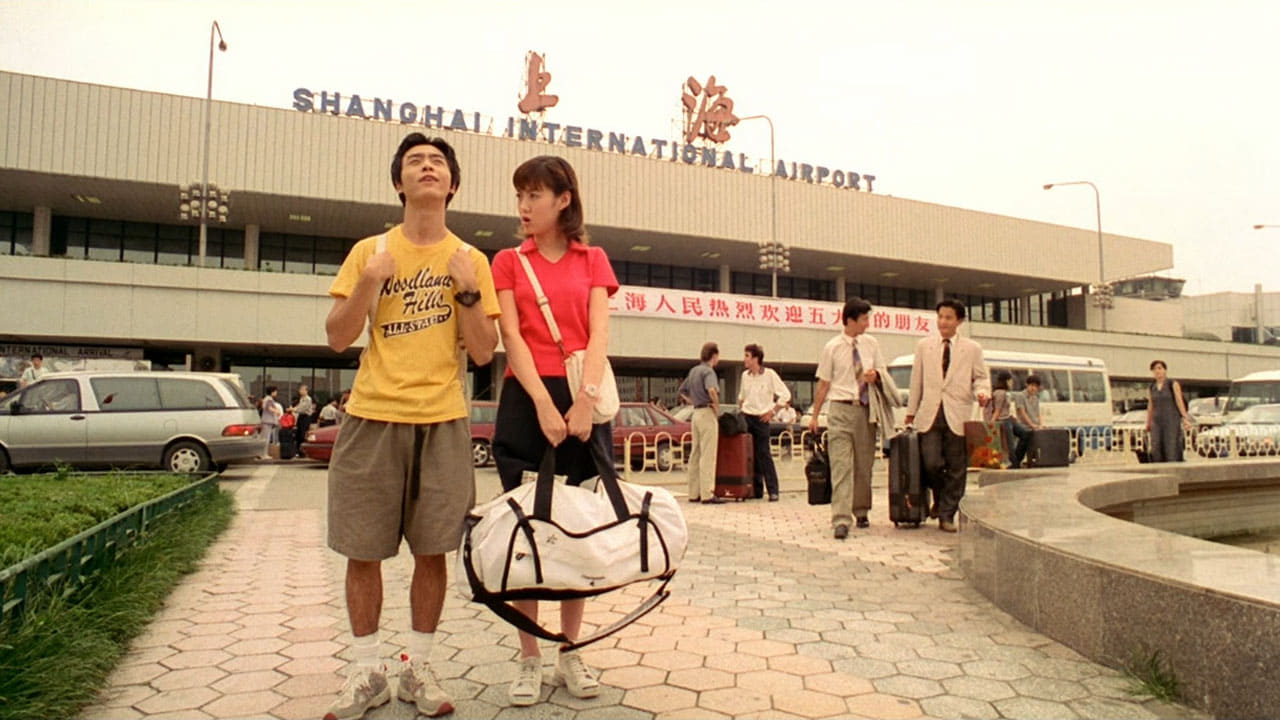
pixel 1049 186
pixel 222 45
pixel 1257 227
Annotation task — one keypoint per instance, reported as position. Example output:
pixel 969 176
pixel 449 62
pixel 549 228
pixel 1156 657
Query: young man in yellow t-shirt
pixel 402 463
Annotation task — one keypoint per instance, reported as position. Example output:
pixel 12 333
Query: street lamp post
pixel 204 178
pixel 773 256
pixel 1102 275
pixel 1260 227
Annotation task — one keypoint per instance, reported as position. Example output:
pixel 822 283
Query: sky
pixel 1170 108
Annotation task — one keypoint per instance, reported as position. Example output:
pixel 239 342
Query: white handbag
pixel 552 541
pixel 608 403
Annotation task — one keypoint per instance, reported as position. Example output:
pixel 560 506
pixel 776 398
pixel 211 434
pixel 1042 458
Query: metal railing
pixel 67 566
pixel 1126 445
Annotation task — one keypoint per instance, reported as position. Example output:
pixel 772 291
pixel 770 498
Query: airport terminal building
pixel 95 260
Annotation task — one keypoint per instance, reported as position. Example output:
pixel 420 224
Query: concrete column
pixel 726 279
pixel 1261 328
pixel 41 231
pixel 1024 306
pixel 251 246
pixel 840 296
pixel 939 294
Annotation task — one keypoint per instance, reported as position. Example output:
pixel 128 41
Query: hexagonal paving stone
pixel 250 682
pixel 323 648
pixel 949 654
pixel 769 682
pixel 195 658
pixel 634 677
pixel 838 684
pixel 259 646
pixel 978 688
pixel 735 663
pixel 258 632
pixel 136 674
pixel 865 667
pixel 648 643
pixel 766 648
pixel 188 678
pixel 609 697
pixel 1049 689
pixel 931 669
pixel 224 628
pixel 660 698
pixel 907 686
pixel 184 699
pixel 808 703
pixel 610 658
pixel 1033 709
pixel 951 706
pixel 700 679
pixel 671 660
pixel 734 701
pixel 694 713
pixel 244 704
pixel 885 707
pixel 996 669
pixel 799 664
pixel 705 646
pixel 1063 669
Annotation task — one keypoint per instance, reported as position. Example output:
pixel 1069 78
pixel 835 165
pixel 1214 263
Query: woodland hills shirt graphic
pixel 422 300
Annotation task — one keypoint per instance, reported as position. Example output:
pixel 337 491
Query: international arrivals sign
pixel 708 118
pixel 661 303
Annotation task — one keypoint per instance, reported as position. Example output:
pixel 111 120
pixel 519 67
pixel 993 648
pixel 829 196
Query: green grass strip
pixel 40 511
pixel 54 663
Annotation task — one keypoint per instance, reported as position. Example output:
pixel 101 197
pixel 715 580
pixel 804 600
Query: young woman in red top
pixel 577 279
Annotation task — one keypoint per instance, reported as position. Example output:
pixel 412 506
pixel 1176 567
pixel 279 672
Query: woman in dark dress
pixel 1166 415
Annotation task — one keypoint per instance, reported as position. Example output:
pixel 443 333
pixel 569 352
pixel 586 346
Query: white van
pixel 184 422
pixel 1259 388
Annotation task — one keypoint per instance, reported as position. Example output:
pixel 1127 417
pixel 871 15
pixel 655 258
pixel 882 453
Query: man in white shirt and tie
pixel 848 364
pixel 948 374
pixel 761 394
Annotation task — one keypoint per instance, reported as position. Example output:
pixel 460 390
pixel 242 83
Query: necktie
pixel 857 374
pixel 946 356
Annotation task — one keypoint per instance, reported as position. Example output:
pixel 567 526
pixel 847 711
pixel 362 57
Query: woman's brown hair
pixel 556 175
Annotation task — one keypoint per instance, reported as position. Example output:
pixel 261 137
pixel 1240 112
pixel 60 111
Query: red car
pixel 637 420
pixel 318 444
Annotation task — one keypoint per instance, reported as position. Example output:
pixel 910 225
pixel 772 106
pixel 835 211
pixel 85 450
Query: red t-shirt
pixel 567 284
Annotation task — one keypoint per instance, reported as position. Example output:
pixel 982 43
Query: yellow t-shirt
pixel 409 372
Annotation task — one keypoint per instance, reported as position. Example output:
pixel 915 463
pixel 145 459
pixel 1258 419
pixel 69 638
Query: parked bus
pixel 1253 389
pixel 1075 391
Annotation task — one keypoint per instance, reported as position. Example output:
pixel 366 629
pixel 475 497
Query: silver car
pixel 186 422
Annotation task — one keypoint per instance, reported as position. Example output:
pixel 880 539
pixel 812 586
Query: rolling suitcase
pixel 1049 447
pixel 908 496
pixel 735 467
pixel 818 474
pixel 984 444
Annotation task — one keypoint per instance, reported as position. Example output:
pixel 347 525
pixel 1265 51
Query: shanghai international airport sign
pixel 708 117
pixel 662 303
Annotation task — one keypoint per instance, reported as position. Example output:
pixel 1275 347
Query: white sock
pixel 420 645
pixel 365 649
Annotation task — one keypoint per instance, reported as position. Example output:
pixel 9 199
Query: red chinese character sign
pixel 632 301
pixel 536 81
pixel 708 112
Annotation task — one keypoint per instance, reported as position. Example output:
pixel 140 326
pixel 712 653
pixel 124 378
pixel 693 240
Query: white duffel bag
pixel 547 540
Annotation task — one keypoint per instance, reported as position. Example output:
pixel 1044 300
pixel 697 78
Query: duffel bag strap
pixel 523 623
pixel 608 479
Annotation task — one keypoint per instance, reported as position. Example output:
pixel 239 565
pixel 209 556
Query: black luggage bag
pixel 908 495
pixel 817 471
pixel 288 443
pixel 1049 447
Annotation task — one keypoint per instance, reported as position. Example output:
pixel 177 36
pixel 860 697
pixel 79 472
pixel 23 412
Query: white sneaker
pixel 526 689
pixel 366 688
pixel 578 679
pixel 418 685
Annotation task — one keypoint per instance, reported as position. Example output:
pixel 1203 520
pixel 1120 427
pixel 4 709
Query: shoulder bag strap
pixel 543 304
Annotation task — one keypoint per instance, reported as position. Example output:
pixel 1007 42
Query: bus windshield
pixel 1245 394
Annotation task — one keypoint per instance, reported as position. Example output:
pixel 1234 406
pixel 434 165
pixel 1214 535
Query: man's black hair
pixel 854 308
pixel 954 304
pixel 413 140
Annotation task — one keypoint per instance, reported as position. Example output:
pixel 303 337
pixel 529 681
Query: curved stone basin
pixel 1036 544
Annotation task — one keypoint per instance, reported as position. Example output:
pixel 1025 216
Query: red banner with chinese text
pixel 634 301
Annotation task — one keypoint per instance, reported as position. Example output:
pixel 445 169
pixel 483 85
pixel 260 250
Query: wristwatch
pixel 467 298
pixel 592 391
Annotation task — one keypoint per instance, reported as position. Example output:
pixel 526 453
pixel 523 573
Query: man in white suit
pixel 948 374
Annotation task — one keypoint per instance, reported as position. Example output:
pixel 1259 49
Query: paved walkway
pixel 769 617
